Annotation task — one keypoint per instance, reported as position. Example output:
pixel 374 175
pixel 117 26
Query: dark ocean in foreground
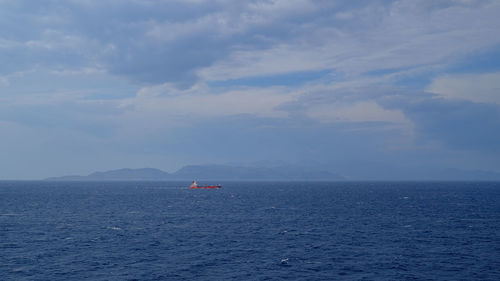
pixel 250 231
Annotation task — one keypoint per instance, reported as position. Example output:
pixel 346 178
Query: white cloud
pixel 81 71
pixel 165 102
pixel 278 8
pixel 472 87
pixel 4 81
pixel 344 15
pixel 172 31
pixel 222 40
pixel 364 111
pixel 405 34
pixel 333 103
pixel 66 64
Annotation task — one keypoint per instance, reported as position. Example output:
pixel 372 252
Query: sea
pixel 249 231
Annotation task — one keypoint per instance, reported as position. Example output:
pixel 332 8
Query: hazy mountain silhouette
pixel 210 172
pixel 283 172
pixel 121 174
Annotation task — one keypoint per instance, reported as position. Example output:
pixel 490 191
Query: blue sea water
pixel 250 231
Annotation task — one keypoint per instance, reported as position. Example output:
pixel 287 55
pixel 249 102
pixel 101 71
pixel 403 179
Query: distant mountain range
pixel 209 172
pixel 284 172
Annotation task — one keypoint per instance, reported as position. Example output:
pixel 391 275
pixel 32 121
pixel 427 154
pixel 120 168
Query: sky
pixel 350 86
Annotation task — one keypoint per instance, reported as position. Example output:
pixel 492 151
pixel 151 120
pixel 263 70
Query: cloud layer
pixel 102 84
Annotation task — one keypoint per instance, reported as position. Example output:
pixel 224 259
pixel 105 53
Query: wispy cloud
pixel 481 88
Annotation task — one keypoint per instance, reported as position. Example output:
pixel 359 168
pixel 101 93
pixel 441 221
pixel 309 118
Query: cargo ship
pixel 194 184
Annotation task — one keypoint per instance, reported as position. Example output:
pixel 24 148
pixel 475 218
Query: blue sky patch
pixel 289 79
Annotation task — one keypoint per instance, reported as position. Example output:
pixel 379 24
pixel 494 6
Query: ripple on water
pixel 250 231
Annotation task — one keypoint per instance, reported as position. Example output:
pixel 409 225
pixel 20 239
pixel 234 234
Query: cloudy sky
pixel 95 85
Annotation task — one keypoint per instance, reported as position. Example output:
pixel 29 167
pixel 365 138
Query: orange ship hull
pixel 206 186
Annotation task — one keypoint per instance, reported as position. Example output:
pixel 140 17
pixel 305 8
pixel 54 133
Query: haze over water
pixel 250 231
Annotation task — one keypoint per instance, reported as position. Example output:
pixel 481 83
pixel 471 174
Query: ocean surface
pixel 250 231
